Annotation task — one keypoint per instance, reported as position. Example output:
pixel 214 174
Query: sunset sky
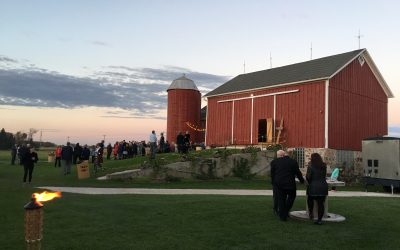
pixel 85 69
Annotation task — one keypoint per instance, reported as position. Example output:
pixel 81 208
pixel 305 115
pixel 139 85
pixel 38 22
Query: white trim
pixel 274 122
pixel 251 122
pixel 205 134
pixel 378 75
pixel 268 87
pixel 233 119
pixel 326 112
pixel 257 96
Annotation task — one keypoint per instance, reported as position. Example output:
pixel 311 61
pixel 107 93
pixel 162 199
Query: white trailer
pixel 381 162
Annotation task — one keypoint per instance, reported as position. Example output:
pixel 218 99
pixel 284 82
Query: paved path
pixel 91 190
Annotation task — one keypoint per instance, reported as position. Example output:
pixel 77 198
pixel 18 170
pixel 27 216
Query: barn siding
pixel 219 121
pixel 303 114
pixel 357 107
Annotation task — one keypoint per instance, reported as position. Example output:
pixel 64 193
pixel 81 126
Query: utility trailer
pixel 381 162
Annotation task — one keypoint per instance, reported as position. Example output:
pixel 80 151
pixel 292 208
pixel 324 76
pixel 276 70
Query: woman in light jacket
pixel 317 189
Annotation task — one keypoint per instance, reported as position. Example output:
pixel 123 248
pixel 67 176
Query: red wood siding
pixel 242 121
pixel 357 107
pixel 183 106
pixel 219 123
pixel 303 114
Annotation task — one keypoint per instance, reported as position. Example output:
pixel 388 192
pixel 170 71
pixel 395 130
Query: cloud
pixel 100 43
pixel 137 90
pixel 7 59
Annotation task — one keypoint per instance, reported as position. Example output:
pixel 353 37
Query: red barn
pixel 327 103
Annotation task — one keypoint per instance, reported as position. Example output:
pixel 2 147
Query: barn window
pixel 361 60
pixel 376 163
pixel 298 154
pixel 369 163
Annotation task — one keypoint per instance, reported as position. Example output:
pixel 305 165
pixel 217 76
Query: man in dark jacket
pixel 28 160
pixel 109 151
pixel 283 173
pixel 180 142
pixel 67 153
pixel 77 153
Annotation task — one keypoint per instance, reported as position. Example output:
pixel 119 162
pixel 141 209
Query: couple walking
pixel 283 172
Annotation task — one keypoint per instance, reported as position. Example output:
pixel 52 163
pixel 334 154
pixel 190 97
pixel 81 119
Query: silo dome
pixel 182 83
pixel 183 112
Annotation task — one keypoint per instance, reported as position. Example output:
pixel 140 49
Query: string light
pixel 194 127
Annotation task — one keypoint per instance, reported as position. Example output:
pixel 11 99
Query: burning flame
pixel 46 196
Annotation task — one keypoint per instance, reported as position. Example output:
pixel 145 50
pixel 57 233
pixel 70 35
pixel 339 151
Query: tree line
pixel 7 140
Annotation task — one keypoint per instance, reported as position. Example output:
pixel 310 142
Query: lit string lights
pixel 194 127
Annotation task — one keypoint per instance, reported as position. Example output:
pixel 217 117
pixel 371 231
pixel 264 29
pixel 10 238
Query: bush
pixel 242 169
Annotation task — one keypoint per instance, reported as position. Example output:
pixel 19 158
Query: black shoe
pixel 318 222
pixel 283 219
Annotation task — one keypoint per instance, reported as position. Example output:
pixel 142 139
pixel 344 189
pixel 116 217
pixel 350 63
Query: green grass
pixel 184 222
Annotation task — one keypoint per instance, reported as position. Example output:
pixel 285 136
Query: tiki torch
pixel 34 218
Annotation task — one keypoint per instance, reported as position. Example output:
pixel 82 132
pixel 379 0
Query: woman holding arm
pixel 317 189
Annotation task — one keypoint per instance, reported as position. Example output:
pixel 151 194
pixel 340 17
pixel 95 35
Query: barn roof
pixel 317 69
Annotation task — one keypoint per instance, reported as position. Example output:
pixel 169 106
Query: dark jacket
pixel 85 153
pixel 180 139
pixel 67 153
pixel 283 173
pixel 316 177
pixel 29 158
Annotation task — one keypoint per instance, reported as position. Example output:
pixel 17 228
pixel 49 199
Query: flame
pixel 46 196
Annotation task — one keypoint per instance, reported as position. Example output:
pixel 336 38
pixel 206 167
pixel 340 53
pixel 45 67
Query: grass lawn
pixel 184 222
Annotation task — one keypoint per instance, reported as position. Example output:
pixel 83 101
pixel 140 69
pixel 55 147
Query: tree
pixel 20 137
pixel 6 139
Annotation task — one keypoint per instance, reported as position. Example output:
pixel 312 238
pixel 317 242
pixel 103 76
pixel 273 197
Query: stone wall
pixel 204 168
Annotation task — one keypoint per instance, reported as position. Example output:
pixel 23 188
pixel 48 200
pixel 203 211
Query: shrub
pixel 242 169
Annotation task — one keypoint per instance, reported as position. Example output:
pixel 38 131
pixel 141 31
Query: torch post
pixel 33 224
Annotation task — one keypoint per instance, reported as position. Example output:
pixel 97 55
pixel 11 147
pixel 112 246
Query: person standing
pixel 279 154
pixel 180 142
pixel 58 157
pixel 77 153
pixel 115 151
pixel 85 153
pixel 67 153
pixel 162 143
pixel 13 154
pixel 101 152
pixel 186 142
pixel 317 189
pixel 28 161
pixel 283 173
pixel 153 144
pixel 109 150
